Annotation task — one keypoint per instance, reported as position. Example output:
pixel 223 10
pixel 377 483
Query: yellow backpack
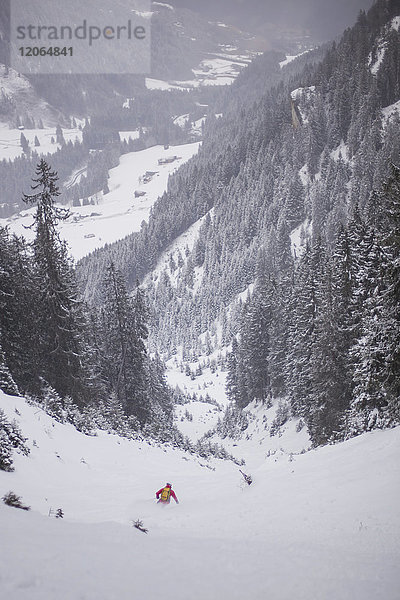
pixel 165 494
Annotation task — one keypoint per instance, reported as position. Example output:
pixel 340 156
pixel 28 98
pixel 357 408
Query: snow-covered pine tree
pixel 62 352
pixel 232 388
pixel 59 135
pixel 7 383
pixel 160 396
pixel 18 310
pixel 329 394
pixel 298 359
pixel 24 143
pixel 11 439
pixel 376 398
pixel 124 329
pixel 279 335
pixel 256 337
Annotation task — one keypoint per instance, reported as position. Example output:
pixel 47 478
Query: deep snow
pixel 322 525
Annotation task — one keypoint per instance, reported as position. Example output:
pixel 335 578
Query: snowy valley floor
pixel 321 525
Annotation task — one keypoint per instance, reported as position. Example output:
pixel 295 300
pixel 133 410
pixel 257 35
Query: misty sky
pixel 326 18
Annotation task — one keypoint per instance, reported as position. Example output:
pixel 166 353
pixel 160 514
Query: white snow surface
pixel 220 69
pixel 304 175
pixel 320 525
pixel 196 126
pixel 213 384
pixel 303 97
pixel 301 92
pixel 183 242
pixel 117 214
pixel 159 84
pixel 395 23
pixel 290 58
pixel 10 140
pixel 299 237
pixel 374 66
pixel 341 152
pixel 163 4
pixel 127 135
pixel 382 45
pixel 389 111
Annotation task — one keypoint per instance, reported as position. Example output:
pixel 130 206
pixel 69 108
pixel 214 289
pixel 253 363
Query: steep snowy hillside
pixel 323 524
pixel 242 342
pixel 19 97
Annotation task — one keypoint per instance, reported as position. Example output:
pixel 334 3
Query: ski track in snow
pixel 320 525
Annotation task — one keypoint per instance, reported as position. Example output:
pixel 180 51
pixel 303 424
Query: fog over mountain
pixel 325 19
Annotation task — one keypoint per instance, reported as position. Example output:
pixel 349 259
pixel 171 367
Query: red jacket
pixel 172 493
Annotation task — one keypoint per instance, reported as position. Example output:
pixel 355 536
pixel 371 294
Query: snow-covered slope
pixel 390 112
pixel 324 524
pixel 10 140
pixel 375 59
pixel 219 69
pixel 115 215
pixel 25 100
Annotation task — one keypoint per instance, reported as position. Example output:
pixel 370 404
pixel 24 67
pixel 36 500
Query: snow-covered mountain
pixel 234 226
pixel 320 524
pixel 187 51
pixel 242 341
pixel 18 95
pixel 189 54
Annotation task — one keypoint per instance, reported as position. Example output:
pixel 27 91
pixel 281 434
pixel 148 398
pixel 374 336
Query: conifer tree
pixel 18 310
pixel 377 352
pixel 232 390
pixel 7 384
pixel 61 348
pixel 59 135
pixel 124 353
pixel 24 143
pixel 256 338
pixel 298 360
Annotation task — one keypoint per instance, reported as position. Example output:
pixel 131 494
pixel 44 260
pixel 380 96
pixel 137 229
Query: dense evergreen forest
pixel 291 270
pixel 88 366
pixel 320 325
pixel 53 346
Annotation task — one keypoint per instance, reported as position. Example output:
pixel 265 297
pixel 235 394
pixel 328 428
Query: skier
pixel 164 494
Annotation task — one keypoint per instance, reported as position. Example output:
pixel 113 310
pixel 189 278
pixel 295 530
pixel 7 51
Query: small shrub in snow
pixel 11 499
pixel 139 525
pixel 248 478
pixel 6 450
pixel 188 415
pixel 57 513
